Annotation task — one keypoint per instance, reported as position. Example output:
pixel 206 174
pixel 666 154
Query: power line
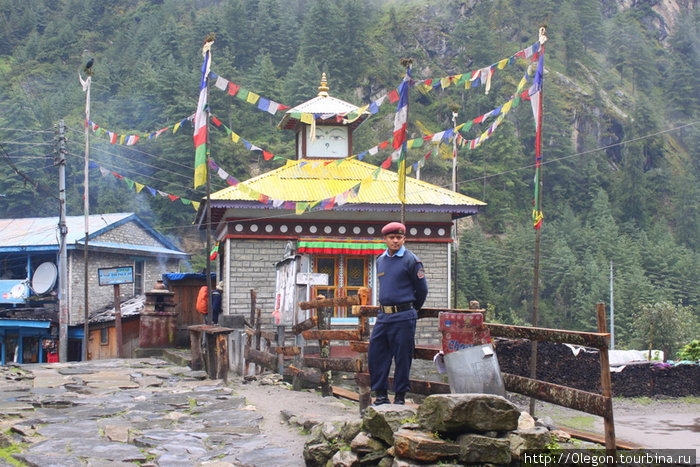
pixel 583 153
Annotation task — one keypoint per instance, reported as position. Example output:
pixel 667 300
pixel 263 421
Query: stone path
pixel 121 412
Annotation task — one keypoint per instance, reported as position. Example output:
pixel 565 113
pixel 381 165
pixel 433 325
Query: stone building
pixel 29 258
pixel 265 222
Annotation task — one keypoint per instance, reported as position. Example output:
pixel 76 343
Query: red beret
pixel 394 228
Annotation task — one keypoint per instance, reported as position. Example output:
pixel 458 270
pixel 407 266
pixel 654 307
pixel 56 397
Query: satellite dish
pixel 44 278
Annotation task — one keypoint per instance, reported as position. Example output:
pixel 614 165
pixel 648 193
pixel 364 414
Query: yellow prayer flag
pixel 252 97
pixel 176 126
pixel 301 207
pixel 306 118
pixel 235 137
pixel 502 64
pixel 139 187
pixel 121 139
pixel 506 107
pixel 195 205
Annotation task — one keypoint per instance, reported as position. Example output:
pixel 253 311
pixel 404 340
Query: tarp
pixel 178 276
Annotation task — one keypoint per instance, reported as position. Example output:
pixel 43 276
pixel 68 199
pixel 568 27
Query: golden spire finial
pixel 323 88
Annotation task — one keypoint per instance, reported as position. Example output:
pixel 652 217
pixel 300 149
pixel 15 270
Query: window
pixel 326 265
pixel 139 276
pixel 346 275
pixel 104 336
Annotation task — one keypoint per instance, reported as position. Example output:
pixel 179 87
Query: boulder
pixel 345 458
pixel 479 449
pixel 363 443
pixel 423 446
pixel 459 413
pixel 318 453
pixel 350 429
pixel 525 422
pixel 533 438
pixel 383 420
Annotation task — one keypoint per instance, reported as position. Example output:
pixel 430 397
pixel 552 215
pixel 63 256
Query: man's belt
pixel 396 308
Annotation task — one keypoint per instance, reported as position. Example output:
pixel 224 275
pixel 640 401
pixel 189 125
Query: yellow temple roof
pixel 310 180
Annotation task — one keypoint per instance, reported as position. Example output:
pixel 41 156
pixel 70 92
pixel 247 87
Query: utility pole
pixel 62 253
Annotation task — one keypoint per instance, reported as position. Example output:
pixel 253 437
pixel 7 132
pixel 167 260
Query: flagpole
pixel 455 241
pixel 202 156
pixel 86 213
pixel 537 216
pixel 400 127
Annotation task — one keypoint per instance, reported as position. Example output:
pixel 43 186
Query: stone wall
pixel 130 234
pixel 434 257
pixel 102 296
pixel 253 267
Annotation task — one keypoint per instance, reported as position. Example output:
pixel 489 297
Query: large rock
pixel 345 458
pixel 383 420
pixel 363 443
pixel 319 453
pixel 422 446
pixel 459 413
pixel 533 438
pixel 477 449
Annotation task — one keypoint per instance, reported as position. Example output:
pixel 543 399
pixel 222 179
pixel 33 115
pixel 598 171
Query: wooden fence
pixel 358 340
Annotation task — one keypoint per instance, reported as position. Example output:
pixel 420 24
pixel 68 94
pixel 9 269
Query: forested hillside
pixel 621 173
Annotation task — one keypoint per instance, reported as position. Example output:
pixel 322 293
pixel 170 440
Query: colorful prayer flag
pixel 200 121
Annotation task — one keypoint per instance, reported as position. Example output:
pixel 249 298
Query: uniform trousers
pixel 391 340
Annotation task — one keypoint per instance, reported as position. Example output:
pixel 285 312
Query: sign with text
pixel 312 278
pixel 113 276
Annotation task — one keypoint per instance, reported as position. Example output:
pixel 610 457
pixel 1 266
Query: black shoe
pixel 381 398
pixel 400 398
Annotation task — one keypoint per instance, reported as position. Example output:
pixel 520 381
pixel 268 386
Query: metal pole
pixel 612 310
pixel 455 239
pixel 86 211
pixel 62 252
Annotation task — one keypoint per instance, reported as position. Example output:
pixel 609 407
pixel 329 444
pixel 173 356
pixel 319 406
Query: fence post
pixel 606 384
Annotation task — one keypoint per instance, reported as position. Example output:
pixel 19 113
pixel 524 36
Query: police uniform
pixel 402 291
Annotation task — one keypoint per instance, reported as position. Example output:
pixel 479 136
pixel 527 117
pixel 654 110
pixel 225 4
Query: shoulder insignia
pixel 421 273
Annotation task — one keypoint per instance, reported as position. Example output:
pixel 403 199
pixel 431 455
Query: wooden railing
pixel 358 341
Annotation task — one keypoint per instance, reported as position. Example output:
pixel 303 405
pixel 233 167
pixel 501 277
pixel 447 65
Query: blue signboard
pixel 113 276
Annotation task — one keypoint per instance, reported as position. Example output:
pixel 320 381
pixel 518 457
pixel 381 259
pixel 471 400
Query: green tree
pixel 665 326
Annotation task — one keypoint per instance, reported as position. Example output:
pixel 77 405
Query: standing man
pixel 402 291
pixel 216 302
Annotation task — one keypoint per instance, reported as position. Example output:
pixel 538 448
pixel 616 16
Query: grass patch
pixel 581 422
pixel 6 454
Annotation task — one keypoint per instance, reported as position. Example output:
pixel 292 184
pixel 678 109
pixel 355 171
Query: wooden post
pixel 323 314
pixel 606 384
pixel 118 322
pixel 363 388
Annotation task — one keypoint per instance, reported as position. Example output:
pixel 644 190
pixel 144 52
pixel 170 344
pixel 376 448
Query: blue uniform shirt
pixel 401 280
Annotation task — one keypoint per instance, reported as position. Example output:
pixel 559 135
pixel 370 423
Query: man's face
pixel 394 242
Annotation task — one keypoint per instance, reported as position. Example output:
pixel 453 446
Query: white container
pixel 475 370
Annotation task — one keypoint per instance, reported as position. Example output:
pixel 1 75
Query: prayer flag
pixel 200 121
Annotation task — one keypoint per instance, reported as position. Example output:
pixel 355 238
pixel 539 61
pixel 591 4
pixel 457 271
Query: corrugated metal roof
pixel 41 233
pixel 311 180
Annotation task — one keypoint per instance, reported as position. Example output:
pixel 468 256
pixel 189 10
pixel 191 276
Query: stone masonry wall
pixel 131 234
pixel 434 257
pixel 253 267
pixel 102 296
